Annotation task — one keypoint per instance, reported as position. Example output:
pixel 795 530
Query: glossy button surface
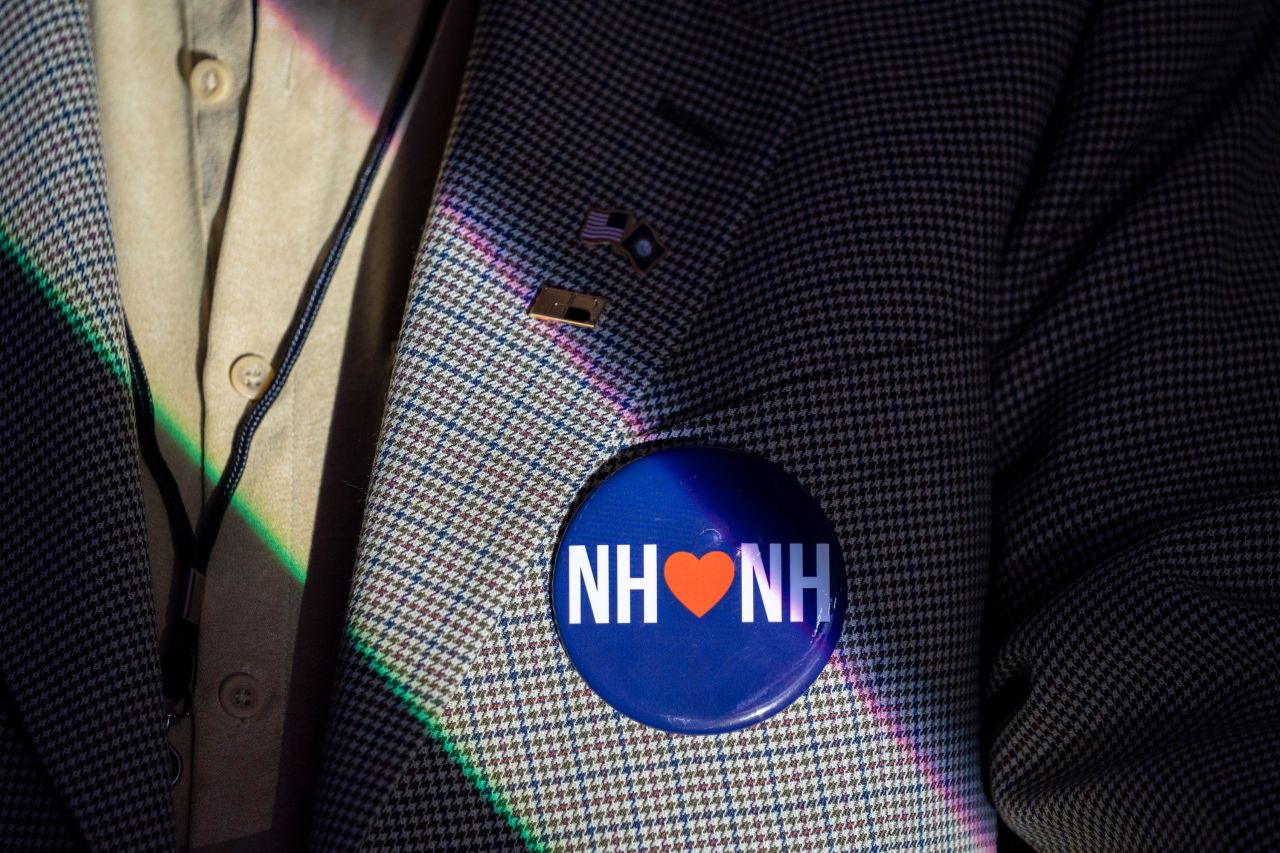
pixel 699 589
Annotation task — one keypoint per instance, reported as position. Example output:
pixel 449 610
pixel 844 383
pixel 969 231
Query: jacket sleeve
pixel 1134 698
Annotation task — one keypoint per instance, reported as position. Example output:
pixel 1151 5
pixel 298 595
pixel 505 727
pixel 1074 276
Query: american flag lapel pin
pixel 606 227
pixel 627 236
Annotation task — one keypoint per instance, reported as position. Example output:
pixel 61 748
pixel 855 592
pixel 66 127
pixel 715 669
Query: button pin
pixel 699 589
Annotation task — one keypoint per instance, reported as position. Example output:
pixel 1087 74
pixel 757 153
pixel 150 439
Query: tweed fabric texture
pixel 30 813
pixel 835 770
pixel 77 649
pixel 995 281
pixel 965 242
pixel 1164 710
pixel 1136 398
pixel 896 712
pixel 495 419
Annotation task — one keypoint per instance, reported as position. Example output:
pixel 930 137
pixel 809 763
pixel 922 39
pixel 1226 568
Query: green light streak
pixel 243 507
pixel 117 364
pixel 80 325
pixel 436 730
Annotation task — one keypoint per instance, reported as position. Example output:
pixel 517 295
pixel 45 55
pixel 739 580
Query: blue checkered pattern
pixel 82 755
pixel 995 281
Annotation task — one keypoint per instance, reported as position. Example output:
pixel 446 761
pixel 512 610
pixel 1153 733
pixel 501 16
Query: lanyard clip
pixel 175 757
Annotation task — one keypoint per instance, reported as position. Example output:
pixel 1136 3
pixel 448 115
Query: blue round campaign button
pixel 699 589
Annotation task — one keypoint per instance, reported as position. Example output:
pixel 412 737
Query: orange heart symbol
pixel 698 582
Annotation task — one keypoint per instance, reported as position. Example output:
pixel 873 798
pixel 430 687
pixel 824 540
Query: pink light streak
pixel 972 822
pixel 511 278
pixel 592 371
pixel 369 114
pixel 610 391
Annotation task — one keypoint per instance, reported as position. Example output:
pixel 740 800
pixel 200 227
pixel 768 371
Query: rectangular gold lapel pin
pixel 564 306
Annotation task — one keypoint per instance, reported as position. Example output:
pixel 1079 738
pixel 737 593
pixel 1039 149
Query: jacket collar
pixel 495 421
pixel 77 631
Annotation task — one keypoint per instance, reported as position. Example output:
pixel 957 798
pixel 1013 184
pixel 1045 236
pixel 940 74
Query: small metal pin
pixel 605 226
pixel 564 306
pixel 642 247
pixel 625 235
pixel 175 757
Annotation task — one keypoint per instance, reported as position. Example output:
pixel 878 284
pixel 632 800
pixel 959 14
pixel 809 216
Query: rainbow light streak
pixel 595 375
pixel 434 728
pixel 119 368
pixel 972 822
pixel 369 113
pixel 83 328
pixel 509 275
pixel 81 325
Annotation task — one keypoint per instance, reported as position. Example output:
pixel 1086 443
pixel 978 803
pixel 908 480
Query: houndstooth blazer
pixel 997 280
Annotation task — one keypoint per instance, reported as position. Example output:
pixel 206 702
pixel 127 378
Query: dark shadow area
pixel 43 821
pixel 77 642
pixel 398 214
pixel 433 802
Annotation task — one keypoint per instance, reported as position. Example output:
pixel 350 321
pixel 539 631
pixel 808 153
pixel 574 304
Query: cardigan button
pixel 242 696
pixel 211 82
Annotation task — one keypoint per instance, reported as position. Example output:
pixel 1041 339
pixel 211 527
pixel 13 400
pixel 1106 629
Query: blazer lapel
pixel 496 421
pixel 78 655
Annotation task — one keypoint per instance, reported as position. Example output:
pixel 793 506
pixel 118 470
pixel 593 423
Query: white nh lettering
pixel 646 583
pixel 770 589
pixel 820 582
pixel 595 580
pixel 581 574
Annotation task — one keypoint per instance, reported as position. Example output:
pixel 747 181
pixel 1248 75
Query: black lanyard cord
pixel 194 548
pixel 175 677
